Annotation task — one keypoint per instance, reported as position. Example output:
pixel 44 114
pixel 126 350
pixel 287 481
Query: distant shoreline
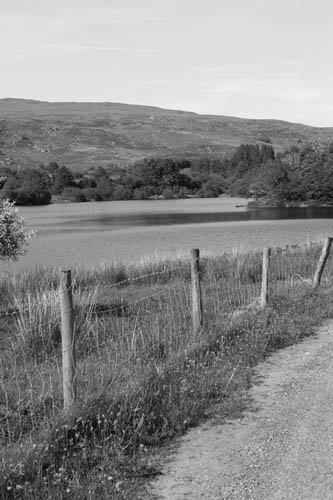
pixel 257 204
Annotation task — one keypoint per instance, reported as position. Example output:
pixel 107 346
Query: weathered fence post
pixel 321 263
pixel 265 277
pixel 67 338
pixel 197 316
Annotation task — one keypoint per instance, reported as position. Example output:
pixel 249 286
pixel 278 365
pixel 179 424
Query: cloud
pixel 70 47
pixel 298 94
pixel 263 67
pixel 279 86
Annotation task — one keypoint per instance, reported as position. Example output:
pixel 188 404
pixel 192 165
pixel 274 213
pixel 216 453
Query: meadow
pixel 143 377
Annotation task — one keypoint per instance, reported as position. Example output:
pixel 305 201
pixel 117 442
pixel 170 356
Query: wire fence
pixel 121 327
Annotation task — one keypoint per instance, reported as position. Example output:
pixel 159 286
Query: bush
pixel 92 194
pixel 73 194
pixel 122 192
pixel 28 188
pixel 30 196
pixel 168 194
pixel 13 237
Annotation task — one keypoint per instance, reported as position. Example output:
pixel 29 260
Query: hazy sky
pixel 248 58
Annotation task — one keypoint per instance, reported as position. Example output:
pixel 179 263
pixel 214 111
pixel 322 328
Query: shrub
pixel 32 196
pixel 28 188
pixel 13 236
pixel 73 194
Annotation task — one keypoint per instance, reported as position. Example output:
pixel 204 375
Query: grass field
pixel 143 378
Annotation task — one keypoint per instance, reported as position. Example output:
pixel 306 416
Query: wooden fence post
pixel 197 315
pixel 265 277
pixel 321 263
pixel 67 338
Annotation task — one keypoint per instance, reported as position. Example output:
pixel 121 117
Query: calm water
pixel 111 221
pixel 92 233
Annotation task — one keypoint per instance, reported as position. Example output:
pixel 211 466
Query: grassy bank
pixel 142 376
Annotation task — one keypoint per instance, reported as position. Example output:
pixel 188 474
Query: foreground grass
pixel 143 378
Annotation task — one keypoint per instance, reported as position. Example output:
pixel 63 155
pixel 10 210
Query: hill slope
pixel 81 135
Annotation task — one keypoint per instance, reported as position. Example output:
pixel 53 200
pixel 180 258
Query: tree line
pixel 294 175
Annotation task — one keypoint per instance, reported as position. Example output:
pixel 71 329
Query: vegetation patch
pixel 143 377
pixel 294 176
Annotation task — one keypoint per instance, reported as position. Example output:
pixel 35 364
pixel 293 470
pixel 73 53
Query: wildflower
pixel 118 484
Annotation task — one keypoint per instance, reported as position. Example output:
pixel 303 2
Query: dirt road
pixel 281 449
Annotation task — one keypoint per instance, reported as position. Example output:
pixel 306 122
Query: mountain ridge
pixel 82 135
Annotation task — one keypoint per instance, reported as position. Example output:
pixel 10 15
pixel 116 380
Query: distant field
pixel 82 135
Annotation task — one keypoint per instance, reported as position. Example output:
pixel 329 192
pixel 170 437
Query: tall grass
pixel 142 377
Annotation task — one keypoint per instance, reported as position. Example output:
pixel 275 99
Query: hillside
pixel 81 135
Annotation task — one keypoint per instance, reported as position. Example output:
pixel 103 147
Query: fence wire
pixel 109 340
pixel 294 267
pixel 120 330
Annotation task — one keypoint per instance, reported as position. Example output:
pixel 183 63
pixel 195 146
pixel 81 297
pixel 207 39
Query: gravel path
pixel 281 449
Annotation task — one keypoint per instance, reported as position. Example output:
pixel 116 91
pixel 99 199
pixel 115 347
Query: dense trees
pixel 28 187
pixel 162 175
pixel 294 175
pixel 61 178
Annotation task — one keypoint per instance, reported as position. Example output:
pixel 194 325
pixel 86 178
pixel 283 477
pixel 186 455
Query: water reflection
pixel 115 221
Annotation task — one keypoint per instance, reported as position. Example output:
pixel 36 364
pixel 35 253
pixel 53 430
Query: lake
pixel 129 231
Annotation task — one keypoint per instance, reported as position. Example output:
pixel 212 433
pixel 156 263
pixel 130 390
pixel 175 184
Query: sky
pixel 246 58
